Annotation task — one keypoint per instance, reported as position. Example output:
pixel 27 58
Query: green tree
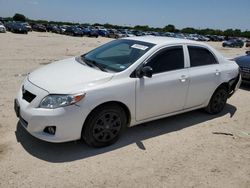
pixel 19 17
pixel 189 30
pixel 142 27
pixel 108 26
pixel 229 32
pixel 169 28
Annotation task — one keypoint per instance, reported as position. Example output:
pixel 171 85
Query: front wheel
pixel 104 125
pixel 218 101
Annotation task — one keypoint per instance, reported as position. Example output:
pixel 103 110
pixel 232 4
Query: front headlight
pixel 56 101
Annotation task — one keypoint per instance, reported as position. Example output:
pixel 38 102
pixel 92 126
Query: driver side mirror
pixel 145 71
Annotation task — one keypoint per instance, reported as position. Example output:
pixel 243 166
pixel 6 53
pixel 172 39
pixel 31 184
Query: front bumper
pixel 2 30
pixel 245 73
pixel 68 120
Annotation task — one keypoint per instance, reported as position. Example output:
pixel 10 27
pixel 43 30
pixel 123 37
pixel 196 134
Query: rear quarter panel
pixel 229 70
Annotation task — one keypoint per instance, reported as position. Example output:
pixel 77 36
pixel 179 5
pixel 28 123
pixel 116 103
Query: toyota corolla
pixel 123 83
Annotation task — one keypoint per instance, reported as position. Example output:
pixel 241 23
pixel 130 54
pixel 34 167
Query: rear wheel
pixel 104 125
pixel 218 101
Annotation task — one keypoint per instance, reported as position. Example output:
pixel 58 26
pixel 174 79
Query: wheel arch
pixel 121 104
pixel 224 84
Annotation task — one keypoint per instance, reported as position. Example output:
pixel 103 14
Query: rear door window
pixel 200 56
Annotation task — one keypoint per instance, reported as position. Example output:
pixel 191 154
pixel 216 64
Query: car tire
pixel 217 101
pixel 104 125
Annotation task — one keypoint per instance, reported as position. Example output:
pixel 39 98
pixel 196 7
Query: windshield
pixel 117 55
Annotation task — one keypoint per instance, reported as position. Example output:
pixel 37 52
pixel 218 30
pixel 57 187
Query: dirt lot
pixel 179 151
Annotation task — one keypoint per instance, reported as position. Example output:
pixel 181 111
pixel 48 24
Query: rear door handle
pixel 183 78
pixel 217 72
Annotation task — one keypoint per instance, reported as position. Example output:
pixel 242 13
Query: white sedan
pixel 2 28
pixel 123 83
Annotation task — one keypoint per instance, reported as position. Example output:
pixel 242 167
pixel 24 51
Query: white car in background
pixel 2 28
pixel 123 83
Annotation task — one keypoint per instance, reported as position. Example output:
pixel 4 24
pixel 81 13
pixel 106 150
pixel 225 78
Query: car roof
pixel 163 40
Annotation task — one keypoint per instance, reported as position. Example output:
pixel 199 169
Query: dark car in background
pixel 248 43
pixel 90 32
pixel 102 32
pixel 16 27
pixel 74 31
pixel 27 25
pixel 244 64
pixel 93 33
pixel 56 29
pixel 233 43
pixel 39 28
pixel 215 38
pixel 49 27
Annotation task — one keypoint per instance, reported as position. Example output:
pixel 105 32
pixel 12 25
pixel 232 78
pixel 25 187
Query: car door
pixel 165 91
pixel 204 75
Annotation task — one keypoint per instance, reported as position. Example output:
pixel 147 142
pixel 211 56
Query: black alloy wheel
pixel 104 125
pixel 218 101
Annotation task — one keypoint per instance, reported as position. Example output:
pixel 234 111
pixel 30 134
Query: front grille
pixel 244 69
pixel 27 95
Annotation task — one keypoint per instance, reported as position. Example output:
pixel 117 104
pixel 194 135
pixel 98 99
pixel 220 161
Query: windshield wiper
pixel 93 63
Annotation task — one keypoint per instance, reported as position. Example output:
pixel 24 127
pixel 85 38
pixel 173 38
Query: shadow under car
pixel 76 150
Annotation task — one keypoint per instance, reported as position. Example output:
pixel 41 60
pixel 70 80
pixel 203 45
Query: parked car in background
pixel 138 33
pixel 247 43
pixel 93 33
pixel 102 32
pixel 169 34
pixel 203 38
pixel 16 27
pixel 215 38
pixel 56 29
pixel 74 31
pixel 62 28
pixel 27 25
pixel 192 37
pixel 2 28
pixel 180 36
pixel 49 27
pixel 90 31
pixel 127 33
pixel 123 83
pixel 112 33
pixel 233 43
pixel 244 63
pixel 39 28
pixel 8 25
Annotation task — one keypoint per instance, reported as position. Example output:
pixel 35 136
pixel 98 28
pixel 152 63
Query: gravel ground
pixel 179 151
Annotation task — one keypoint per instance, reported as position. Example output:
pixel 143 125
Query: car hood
pixel 67 76
pixel 243 61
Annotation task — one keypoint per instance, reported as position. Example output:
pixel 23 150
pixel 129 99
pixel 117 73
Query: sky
pixel 215 14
